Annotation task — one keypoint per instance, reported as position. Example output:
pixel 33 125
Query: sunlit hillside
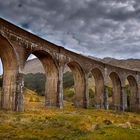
pixel 70 123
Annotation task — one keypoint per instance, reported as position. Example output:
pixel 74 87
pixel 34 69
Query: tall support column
pixel 135 100
pixel 8 90
pixel 138 93
pixel 79 84
pixel 86 91
pixel 51 91
pixel 60 87
pixel 106 104
pixel 138 98
pixel 19 100
pixel 80 90
pixel 123 99
pixel 54 82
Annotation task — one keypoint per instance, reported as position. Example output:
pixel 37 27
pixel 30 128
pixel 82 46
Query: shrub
pixel 91 93
pixel 107 122
pixel 68 93
pixel 110 91
pixel 128 90
pixel 68 80
pixel 37 99
pixel 35 82
pixel 31 99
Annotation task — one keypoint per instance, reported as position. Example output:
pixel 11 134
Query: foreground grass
pixel 38 123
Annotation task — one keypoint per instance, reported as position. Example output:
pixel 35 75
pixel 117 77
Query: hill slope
pixel 133 64
pixel 34 65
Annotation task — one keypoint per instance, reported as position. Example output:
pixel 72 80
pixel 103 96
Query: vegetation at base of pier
pixel 36 82
pixel 70 123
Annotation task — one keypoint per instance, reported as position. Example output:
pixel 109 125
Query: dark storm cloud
pixel 100 28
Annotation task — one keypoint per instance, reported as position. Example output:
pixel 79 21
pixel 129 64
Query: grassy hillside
pixel 36 82
pixel 39 123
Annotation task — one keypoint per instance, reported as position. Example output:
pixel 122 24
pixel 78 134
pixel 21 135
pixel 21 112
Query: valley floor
pixel 38 123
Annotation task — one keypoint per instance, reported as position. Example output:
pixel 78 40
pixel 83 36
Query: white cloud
pixel 97 27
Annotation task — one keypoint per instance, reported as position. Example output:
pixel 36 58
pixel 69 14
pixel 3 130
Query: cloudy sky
pixel 100 28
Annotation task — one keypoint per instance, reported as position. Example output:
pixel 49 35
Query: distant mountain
pixel 35 66
pixel 133 64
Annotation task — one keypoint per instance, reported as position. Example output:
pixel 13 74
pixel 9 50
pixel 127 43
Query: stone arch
pixel 79 84
pixel 51 72
pixel 10 67
pixel 117 95
pixel 133 97
pixel 99 87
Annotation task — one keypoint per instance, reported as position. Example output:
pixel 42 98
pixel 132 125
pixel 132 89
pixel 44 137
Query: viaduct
pixel 17 44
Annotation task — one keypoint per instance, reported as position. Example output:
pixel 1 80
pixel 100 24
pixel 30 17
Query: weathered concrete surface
pixel 8 58
pixel 17 44
pixel 99 88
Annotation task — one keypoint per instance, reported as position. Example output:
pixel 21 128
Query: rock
pixel 96 126
pixel 107 122
pixel 126 125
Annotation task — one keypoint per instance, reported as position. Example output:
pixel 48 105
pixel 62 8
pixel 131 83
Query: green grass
pixel 70 123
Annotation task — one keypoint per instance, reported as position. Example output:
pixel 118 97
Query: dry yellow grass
pixel 70 123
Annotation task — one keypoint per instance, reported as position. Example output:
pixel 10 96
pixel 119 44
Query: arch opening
pixel 116 102
pixel 131 94
pixel 91 90
pixel 79 97
pixel 68 86
pixel 34 84
pixel 47 80
pixel 96 88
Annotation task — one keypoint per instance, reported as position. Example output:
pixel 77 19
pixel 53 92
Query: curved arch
pixel 133 97
pixel 7 54
pixel 47 60
pixel 99 87
pixel 10 65
pixel 79 84
pixel 51 72
pixel 117 95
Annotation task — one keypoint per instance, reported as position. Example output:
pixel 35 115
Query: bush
pixel 91 93
pixel 110 91
pixel 35 82
pixel 68 80
pixel 37 99
pixel 128 90
pixel 68 94
pixel 31 99
pixel 107 122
